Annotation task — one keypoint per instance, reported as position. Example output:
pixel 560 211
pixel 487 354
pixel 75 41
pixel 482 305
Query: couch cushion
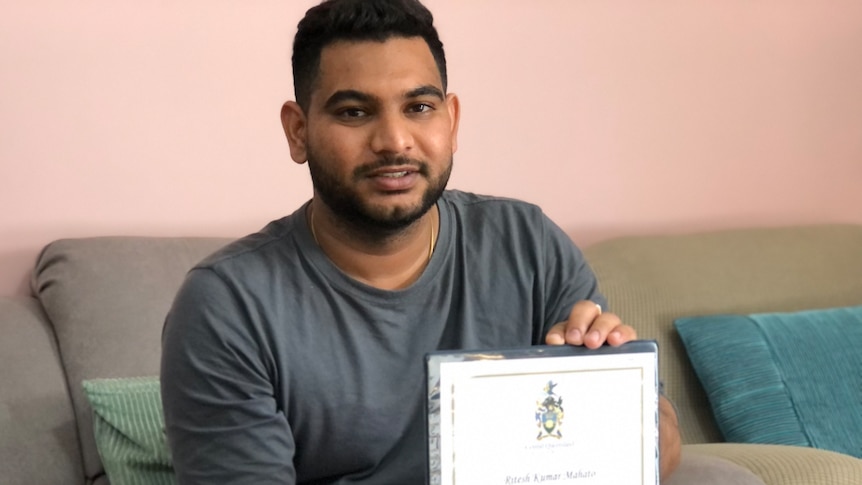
pixel 782 378
pixel 787 465
pixel 706 469
pixel 38 439
pixel 107 299
pixel 129 427
pixel 652 280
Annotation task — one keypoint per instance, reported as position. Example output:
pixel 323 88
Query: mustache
pixel 391 161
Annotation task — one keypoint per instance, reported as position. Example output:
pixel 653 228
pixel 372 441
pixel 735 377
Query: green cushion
pixel 129 427
pixel 782 378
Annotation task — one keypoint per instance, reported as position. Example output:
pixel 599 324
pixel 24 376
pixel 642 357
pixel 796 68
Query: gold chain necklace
pixel 431 242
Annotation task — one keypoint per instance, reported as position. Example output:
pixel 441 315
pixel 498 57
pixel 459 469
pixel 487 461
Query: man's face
pixel 379 133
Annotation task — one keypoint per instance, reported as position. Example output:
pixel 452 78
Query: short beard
pixel 347 205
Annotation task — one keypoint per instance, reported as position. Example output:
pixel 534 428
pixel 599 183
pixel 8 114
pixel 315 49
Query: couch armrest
pixel 39 441
pixel 788 465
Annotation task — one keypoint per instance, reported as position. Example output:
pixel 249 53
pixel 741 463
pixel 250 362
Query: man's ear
pixel 295 129
pixel 453 104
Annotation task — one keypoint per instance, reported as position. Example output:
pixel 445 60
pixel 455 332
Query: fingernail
pixel 594 336
pixel 574 334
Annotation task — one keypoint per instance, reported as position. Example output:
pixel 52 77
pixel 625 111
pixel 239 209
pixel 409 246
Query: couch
pixel 97 308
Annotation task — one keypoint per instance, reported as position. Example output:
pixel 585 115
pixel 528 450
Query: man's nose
pixel 392 134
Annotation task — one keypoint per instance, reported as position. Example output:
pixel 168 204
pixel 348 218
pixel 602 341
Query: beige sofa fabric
pixel 107 298
pixel 708 469
pixel 650 281
pixel 788 465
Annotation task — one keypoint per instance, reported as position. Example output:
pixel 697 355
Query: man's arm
pixel 222 420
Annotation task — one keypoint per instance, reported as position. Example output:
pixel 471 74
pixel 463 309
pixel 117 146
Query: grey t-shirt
pixel 279 368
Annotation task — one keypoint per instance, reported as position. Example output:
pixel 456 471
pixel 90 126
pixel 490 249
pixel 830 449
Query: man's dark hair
pixel 357 20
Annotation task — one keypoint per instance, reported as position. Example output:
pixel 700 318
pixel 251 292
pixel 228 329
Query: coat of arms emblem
pixel 549 414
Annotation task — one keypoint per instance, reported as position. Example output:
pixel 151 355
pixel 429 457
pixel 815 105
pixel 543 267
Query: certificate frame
pixel 543 414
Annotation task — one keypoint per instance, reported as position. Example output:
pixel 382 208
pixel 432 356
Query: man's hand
pixel 588 326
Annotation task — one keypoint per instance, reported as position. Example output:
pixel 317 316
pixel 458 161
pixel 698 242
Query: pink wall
pixel 625 117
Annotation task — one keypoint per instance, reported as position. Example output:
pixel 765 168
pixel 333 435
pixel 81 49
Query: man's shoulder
pixel 252 246
pixel 523 223
pixel 488 203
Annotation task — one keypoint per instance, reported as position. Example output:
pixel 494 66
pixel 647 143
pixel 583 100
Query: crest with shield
pixel 549 414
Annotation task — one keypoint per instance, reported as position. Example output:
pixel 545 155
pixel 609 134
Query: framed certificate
pixel 544 414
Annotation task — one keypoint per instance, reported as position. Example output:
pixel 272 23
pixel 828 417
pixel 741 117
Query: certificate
pixel 546 414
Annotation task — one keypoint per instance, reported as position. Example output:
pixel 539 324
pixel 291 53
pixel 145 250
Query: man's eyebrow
pixel 427 90
pixel 347 95
pixel 358 96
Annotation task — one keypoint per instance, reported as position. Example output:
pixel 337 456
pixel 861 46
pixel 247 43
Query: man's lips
pixel 390 179
pixel 394 171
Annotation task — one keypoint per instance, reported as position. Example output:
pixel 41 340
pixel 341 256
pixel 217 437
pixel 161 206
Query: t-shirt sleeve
pixel 222 419
pixel 568 277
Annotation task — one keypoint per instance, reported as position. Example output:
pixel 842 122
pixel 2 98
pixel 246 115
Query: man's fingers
pixel 588 326
pixel 621 335
pixel 601 329
pixel 556 335
pixel 575 330
pixel 581 320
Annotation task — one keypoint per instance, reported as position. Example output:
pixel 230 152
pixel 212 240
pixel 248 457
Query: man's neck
pixel 390 262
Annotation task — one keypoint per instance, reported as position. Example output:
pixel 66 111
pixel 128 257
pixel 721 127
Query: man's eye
pixel 421 108
pixel 352 113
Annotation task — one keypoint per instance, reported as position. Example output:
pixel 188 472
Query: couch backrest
pixel 650 281
pixel 107 299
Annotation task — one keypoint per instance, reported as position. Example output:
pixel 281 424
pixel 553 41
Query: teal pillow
pixel 129 427
pixel 782 378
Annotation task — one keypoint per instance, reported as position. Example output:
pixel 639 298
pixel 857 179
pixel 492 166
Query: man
pixel 295 355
